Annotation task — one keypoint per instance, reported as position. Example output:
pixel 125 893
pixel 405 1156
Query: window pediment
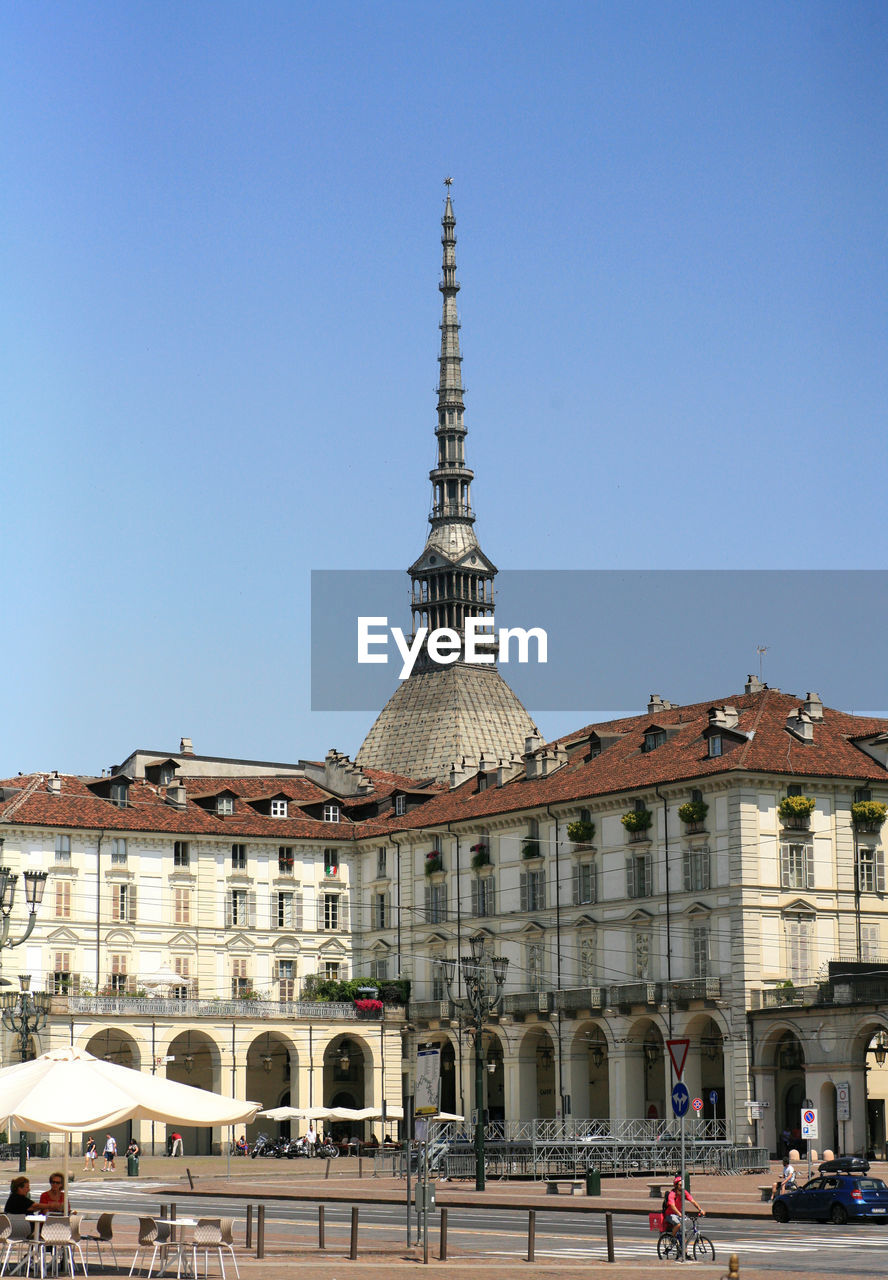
pixel 641 917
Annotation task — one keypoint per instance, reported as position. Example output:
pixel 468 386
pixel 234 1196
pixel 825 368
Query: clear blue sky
pixel 220 263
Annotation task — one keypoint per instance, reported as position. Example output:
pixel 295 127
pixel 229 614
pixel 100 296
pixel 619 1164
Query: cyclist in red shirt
pixel 672 1207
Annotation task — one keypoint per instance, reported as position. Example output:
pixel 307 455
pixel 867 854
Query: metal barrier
pixel 553 1159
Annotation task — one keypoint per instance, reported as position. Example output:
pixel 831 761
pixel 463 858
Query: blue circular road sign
pixel 680 1099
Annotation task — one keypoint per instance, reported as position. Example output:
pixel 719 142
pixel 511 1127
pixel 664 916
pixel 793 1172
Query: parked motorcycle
pixel 263 1146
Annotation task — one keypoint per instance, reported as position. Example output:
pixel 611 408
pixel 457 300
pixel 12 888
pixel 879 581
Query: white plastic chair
pixel 152 1235
pixel 103 1234
pixel 227 1225
pixel 207 1237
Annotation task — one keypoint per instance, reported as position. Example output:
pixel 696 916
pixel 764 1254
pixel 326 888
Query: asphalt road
pixel 796 1248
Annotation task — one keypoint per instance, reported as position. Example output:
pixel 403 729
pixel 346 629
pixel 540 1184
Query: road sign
pixel 678 1052
pixel 713 1096
pixel 843 1101
pixel 427 1088
pixel 697 1104
pixel 680 1099
pixel 809 1123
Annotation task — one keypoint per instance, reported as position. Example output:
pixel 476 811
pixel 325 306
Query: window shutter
pixel 428 903
pixel 687 868
pixel 630 878
pixel 251 909
pixel 880 871
pixel 297 911
pixel 578 892
pixel 388 910
pixel 229 909
pixel 523 883
pixel 705 868
pixel 343 911
pixel 784 866
pixel 809 865
pixel 490 903
pixel 275 910
pixel 476 896
pixel 320 911
pixel 131 904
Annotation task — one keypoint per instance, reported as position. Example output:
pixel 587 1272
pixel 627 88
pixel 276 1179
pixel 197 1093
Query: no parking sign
pixel 809 1123
pixel 697 1104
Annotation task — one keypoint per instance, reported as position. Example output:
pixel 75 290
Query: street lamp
pixel 484 987
pixel 35 883
pixel 23 1012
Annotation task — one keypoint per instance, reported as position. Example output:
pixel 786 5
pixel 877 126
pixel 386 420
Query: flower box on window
pixel 433 862
pixel 530 848
pixel 637 823
pixel 580 832
pixel 480 855
pixel 795 812
pixel 868 815
pixel 693 815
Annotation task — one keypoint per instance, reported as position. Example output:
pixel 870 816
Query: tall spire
pixel 451 479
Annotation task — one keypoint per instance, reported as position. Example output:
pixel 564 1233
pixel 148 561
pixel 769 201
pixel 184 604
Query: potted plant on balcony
pixel 433 862
pixel 581 831
pixel 480 855
pixel 637 822
pixel 795 811
pixel 368 1008
pixel 693 814
pixel 868 815
pixel 530 847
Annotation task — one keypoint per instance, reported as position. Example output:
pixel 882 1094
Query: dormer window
pixel 224 806
pixel 715 745
pixel 166 775
pixel 279 808
pixel 119 794
pixel 654 738
pixel 331 812
pixel 400 806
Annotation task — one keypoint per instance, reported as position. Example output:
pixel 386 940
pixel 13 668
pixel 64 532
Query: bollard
pixel 353 1245
pixel 609 1229
pixel 733 1268
pixel 321 1241
pixel 531 1234
pixel 442 1252
pixel 360 1166
pixel 260 1231
pixel 248 1236
pixel 187 1170
pixel 327 1170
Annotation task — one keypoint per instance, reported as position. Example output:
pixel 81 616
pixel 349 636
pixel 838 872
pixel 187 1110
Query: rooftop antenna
pixel 761 650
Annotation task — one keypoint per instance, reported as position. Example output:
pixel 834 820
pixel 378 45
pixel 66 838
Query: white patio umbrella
pixel 165 978
pixel 392 1112
pixel 68 1090
pixel 297 1113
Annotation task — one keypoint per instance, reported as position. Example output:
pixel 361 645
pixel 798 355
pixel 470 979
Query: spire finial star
pixel 448 183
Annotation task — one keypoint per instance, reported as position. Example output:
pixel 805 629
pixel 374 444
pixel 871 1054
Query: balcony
pixel 523 1002
pixel 430 1010
pixel 635 993
pixel 695 989
pixel 577 998
pixel 155 1007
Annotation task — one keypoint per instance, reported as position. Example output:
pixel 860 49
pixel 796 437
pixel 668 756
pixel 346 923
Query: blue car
pixel 835 1197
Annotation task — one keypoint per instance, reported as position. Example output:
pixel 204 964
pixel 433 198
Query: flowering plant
pixel 368 1006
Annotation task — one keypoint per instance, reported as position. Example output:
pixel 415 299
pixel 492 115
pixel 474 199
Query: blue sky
pixel 220 267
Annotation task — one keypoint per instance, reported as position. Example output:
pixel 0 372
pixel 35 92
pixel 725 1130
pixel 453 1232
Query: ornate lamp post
pixel 484 988
pixel 23 1013
pixel 35 883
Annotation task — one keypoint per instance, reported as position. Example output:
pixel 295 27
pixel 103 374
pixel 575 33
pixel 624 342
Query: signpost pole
pixel 683 1186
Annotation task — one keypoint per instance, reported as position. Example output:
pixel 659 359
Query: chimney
pixel 753 684
pixel 186 747
pixel 813 706
pixel 726 717
pixel 508 769
pixel 54 784
pixel 799 723
pixel 458 774
pixel 532 743
pixel 175 795
pixel 655 704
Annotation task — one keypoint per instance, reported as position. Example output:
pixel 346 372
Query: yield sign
pixel 678 1052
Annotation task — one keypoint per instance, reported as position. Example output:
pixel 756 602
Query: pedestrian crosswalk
pixel 627 1250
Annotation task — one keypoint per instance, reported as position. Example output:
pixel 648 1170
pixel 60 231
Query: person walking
pixel 89 1155
pixel 110 1154
pixel 177 1148
pixel 311 1139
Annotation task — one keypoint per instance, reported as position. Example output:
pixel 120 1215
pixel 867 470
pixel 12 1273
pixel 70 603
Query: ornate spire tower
pixel 455 714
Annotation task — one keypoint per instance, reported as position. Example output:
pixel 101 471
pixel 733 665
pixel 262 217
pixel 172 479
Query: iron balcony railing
pixel 162 1008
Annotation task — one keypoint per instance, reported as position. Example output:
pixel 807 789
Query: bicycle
pixel 700 1246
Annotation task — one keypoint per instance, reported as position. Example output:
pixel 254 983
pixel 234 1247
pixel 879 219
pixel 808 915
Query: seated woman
pixel 53 1200
pixel 19 1198
pixel 372 1143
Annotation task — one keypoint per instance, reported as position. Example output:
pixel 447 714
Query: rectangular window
pixel 182 906
pixel 63 899
pixel 439 986
pixel 64 982
pixel 118 853
pixel 63 848
pixel 715 745
pixel 238 857
pixel 380 911
pixel 436 903
pixel 869 942
pixel 283 911
pixel 286 980
pixel 400 806
pixel 241 909
pixel 799 936
pixel 331 969
pixel 381 863
pixel 862 793
pixel 331 910
pixel 642 956
pixel 700 951
pixel 240 983
pixel 870 869
pixel 797 866
pixel 483 896
pixel 123 897
pixel 532 895
pixel 182 966
pixel 285 860
pixel 118 980
pixel 224 806
pixel 331 862
pixel 181 853
pixel 585 883
pixel 379 969
pixel 331 812
pixel 119 794
pixel 279 808
pixel 695 868
pixel 639 880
